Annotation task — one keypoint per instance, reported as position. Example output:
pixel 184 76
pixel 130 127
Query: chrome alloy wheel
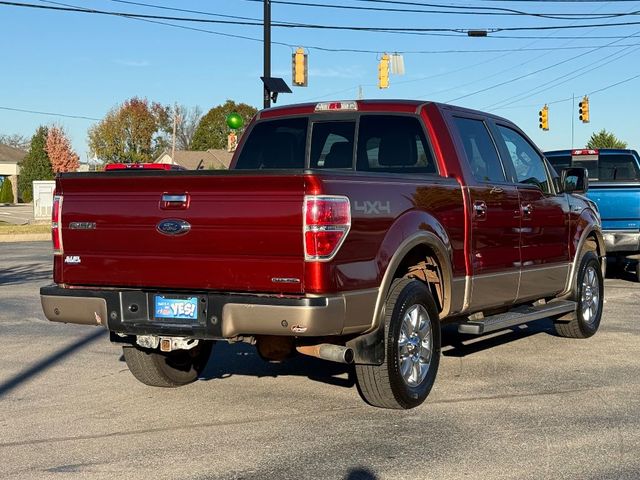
pixel 590 299
pixel 415 345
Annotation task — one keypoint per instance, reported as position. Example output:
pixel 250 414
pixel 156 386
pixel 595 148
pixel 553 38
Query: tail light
pixel 327 220
pixel 56 224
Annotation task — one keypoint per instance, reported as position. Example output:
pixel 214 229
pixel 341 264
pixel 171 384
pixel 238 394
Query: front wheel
pixel 589 296
pixel 172 369
pixel 412 349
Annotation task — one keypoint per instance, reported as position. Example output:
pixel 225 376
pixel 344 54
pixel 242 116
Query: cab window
pixel 480 150
pixel 527 163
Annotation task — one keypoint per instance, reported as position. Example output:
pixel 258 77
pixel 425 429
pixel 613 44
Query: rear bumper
pixel 621 241
pixel 220 315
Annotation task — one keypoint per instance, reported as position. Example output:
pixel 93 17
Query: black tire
pixel 172 369
pixel 637 271
pixel 583 323
pixel 384 385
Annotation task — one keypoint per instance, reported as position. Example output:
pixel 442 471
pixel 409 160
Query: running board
pixel 517 316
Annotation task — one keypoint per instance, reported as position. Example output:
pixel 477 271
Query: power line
pixel 562 79
pixel 539 70
pixel 399 30
pixel 22 110
pixel 459 10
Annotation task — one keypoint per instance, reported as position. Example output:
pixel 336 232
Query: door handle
pixel 480 209
pixel 174 201
pixel 495 189
pixel 527 209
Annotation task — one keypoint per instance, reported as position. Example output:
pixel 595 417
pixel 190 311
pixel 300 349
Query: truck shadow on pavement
pixel 456 344
pixel 242 359
pixel 24 273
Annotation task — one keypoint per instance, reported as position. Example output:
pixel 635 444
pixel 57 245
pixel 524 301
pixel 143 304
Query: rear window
pixel 275 144
pixel 604 167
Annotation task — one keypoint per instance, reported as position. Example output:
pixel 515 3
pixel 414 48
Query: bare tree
pixel 16 140
pixel 187 120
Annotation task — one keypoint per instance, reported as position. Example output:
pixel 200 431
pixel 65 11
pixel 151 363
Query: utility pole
pixel 573 107
pixel 267 51
pixel 176 116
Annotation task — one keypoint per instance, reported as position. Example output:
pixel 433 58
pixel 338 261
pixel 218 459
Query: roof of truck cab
pixel 390 105
pixel 600 150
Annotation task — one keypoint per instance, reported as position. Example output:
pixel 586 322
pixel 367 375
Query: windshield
pixel 604 167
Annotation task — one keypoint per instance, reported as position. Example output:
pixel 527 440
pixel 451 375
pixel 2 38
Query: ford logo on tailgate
pixel 173 227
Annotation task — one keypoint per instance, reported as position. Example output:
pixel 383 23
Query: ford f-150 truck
pixel 349 231
pixel 614 179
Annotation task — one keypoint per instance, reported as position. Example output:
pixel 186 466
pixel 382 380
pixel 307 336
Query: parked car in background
pixel 614 184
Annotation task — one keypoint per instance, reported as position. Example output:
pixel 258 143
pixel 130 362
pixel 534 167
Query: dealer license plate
pixel 176 308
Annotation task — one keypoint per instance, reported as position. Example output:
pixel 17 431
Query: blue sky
pixel 81 64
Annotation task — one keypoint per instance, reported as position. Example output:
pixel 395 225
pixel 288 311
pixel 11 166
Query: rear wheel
pixel 172 369
pixel 589 296
pixel 412 349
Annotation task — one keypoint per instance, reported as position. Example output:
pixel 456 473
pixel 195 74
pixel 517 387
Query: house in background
pixel 10 159
pixel 198 159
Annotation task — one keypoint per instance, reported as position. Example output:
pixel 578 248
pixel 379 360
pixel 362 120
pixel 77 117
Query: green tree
pixel 604 139
pixel 212 131
pixel 135 132
pixel 35 166
pixel 6 192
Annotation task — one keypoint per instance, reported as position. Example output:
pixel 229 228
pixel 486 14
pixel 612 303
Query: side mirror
pixel 574 180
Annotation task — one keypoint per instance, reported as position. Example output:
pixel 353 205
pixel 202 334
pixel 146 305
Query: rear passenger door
pixel 544 230
pixel 495 217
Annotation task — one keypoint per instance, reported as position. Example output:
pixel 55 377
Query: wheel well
pixel 421 263
pixel 591 243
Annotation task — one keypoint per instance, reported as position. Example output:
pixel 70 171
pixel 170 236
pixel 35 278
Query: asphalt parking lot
pixel 19 214
pixel 521 404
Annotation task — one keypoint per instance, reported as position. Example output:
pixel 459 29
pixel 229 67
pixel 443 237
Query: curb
pixel 25 237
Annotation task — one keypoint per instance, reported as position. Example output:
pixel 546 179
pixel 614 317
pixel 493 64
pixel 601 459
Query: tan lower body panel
pixel 81 310
pixel 347 313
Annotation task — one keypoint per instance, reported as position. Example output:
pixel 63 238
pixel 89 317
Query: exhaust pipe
pixel 328 351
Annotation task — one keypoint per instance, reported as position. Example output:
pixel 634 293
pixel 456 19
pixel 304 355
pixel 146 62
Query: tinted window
pixel 390 143
pixel 480 149
pixel 332 144
pixel 528 164
pixel 275 144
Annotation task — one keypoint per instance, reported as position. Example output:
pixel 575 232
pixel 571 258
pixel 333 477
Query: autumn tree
pixel 212 131
pixel 604 139
pixel 136 131
pixel 58 147
pixel 35 165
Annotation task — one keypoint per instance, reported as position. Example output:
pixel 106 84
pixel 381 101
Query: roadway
pixel 522 404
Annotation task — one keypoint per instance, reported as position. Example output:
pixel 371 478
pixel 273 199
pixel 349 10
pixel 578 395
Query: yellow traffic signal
pixel 383 71
pixel 544 118
pixel 299 68
pixel 583 109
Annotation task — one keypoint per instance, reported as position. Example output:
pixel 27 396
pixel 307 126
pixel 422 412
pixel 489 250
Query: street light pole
pixel 267 51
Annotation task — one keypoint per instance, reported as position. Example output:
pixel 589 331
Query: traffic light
pixel 544 118
pixel 583 109
pixel 383 71
pixel 299 68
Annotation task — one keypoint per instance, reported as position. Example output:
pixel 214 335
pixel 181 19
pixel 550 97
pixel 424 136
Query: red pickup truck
pixel 346 230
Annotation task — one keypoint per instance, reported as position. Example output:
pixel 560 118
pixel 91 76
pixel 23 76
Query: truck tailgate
pixel 619 204
pixel 245 231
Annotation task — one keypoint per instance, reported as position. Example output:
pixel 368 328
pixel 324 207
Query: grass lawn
pixel 10 229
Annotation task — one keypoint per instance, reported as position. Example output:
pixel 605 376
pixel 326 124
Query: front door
pixel 544 231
